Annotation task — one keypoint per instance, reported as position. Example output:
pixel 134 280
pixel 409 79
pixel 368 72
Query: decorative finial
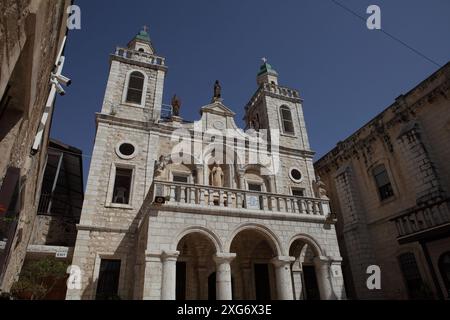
pixel 264 60
pixel 145 28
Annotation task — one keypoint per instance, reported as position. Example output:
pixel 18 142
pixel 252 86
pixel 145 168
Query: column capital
pixel 321 260
pixel 220 258
pixel 170 255
pixel 153 256
pixel 282 261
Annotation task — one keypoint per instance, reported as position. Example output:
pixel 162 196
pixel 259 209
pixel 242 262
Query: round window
pixel 295 175
pixel 126 150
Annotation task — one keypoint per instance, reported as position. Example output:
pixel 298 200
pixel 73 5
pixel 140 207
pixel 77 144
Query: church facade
pixel 202 210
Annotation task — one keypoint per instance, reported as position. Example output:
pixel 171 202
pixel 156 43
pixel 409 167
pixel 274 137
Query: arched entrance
pixel 305 275
pixel 252 269
pixel 195 265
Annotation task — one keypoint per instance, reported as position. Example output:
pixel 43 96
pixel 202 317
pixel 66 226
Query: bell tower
pixel 275 107
pixel 136 81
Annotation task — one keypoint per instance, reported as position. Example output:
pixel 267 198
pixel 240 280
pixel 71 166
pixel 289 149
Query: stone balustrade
pixel 140 56
pixel 422 219
pixel 283 91
pixel 199 195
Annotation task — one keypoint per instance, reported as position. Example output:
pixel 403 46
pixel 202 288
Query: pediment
pixel 217 108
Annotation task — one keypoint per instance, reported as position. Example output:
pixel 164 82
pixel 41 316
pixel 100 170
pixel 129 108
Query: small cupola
pixel 142 42
pixel 267 74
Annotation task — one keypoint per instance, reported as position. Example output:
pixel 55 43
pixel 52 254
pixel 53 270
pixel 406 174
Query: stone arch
pixel 272 238
pixel 204 231
pixel 318 252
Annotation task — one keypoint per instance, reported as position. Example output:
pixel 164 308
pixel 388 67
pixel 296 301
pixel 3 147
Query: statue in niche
pixel 176 106
pixel 217 176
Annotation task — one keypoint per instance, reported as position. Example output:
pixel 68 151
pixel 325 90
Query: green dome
pixel 143 36
pixel 267 68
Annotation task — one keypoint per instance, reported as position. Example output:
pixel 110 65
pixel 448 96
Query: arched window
pixel 286 119
pixel 444 268
pixel 135 87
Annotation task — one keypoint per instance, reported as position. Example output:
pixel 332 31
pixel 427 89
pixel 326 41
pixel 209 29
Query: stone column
pixel 283 277
pixel 322 267
pixel 169 271
pixel 241 174
pixel 223 276
pixel 199 177
pixel 337 280
pixel 152 276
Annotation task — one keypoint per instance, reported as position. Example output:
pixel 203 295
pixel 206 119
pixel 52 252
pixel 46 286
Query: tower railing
pixel 182 194
pixel 140 56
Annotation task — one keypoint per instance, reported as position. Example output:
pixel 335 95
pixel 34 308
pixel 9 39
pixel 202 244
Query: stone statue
pixel 176 106
pixel 217 176
pixel 319 189
pixel 217 91
pixel 161 164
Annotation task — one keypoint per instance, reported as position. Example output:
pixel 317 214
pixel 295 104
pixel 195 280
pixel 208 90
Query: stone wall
pixel 410 138
pixel 31 34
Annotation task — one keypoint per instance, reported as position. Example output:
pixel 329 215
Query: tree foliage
pixel 38 278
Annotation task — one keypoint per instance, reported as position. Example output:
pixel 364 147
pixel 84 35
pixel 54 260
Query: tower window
pixel 122 186
pixel 135 87
pixel 383 183
pixel 286 119
pixel 297 192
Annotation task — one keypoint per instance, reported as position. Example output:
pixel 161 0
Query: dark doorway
pixel 212 287
pixel 181 281
pixel 310 283
pixel 262 282
pixel 108 280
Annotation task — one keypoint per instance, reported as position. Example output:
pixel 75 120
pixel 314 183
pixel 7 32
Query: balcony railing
pixel 420 220
pixel 206 196
pixel 140 56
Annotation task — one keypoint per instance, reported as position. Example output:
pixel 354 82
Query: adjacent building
pixel 179 210
pixel 389 185
pixel 32 39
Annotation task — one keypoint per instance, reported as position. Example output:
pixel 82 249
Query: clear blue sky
pixel 345 73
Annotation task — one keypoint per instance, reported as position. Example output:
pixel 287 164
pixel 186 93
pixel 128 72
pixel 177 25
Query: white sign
pixel 61 255
pixel 253 202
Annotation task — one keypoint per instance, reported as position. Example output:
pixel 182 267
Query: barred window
pixel 383 183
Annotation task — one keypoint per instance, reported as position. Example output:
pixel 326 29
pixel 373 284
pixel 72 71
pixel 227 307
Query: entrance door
pixel 310 283
pixel 262 282
pixel 212 287
pixel 181 281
